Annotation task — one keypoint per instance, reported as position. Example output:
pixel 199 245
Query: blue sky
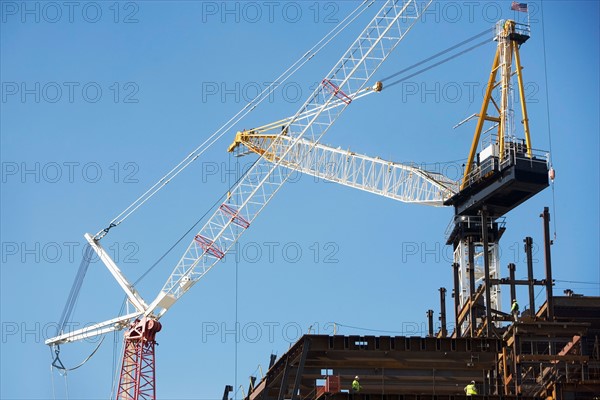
pixel 100 99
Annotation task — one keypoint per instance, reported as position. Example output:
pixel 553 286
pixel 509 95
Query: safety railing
pixel 473 222
pixel 519 28
pixel 514 151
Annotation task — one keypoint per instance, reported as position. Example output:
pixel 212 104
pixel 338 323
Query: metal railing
pixel 473 222
pixel 519 28
pixel 514 150
pixel 523 29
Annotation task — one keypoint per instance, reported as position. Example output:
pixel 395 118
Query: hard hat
pixel 356 377
pixel 473 382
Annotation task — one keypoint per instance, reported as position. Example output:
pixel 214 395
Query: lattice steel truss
pixel 137 378
pixel 402 182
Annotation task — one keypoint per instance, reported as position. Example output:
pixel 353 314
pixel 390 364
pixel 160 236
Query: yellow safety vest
pixel 515 307
pixel 471 389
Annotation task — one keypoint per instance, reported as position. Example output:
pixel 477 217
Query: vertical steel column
pixel 486 262
pixel 443 311
pixel 430 322
pixel 505 369
pixel 300 371
pixel 457 329
pixel 547 242
pixel 472 315
pixel 251 385
pixel 228 388
pixel 513 290
pixel 529 255
pixel 284 379
pixel 517 378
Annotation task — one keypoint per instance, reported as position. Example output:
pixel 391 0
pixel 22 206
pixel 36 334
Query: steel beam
pixel 511 272
pixel 486 265
pixel 548 263
pixel 228 389
pixel 529 256
pixel 444 330
pixel 430 322
pixel 457 330
pixel 284 378
pixel 472 285
pixel 300 371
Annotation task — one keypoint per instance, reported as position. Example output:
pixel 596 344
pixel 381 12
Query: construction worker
pixel 514 309
pixel 470 389
pixel 356 385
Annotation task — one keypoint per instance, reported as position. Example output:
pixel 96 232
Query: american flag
pixel 522 7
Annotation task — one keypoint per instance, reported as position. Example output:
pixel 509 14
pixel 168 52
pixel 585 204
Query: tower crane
pixel 505 173
pixel 347 80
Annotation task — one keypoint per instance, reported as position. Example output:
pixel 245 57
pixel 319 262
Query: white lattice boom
pixel 402 182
